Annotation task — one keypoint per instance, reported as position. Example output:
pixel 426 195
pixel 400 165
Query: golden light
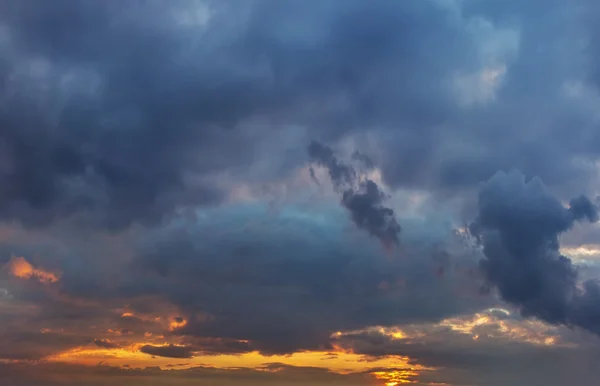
pixel 393 333
pixel 342 363
pixel 398 335
pixel 396 377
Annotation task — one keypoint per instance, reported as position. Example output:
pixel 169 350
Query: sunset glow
pixel 341 362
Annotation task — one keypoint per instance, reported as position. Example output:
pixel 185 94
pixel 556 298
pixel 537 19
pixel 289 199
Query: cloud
pixel 194 282
pixel 21 268
pixel 126 131
pixel 105 343
pixel 519 224
pixel 582 208
pixel 4 294
pixel 55 374
pixel 482 349
pixel 294 293
pixel 170 351
pixel 122 126
pixel 363 199
pixel 22 342
pixel 131 121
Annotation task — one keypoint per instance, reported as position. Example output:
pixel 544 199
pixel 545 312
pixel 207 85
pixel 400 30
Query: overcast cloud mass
pixel 282 192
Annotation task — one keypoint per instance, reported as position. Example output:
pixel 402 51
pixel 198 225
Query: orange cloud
pixel 176 323
pixel 21 268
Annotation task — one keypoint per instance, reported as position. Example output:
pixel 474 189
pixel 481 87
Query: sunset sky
pixel 286 192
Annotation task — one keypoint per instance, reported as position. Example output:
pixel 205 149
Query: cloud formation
pixel 519 225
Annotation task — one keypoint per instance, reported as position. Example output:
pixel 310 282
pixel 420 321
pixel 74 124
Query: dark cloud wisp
pixel 363 199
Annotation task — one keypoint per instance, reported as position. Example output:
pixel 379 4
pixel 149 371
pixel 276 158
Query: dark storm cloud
pixel 519 225
pixel 169 351
pixel 114 142
pixel 122 112
pixel 363 199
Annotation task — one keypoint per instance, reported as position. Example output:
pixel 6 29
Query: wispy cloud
pixel 21 268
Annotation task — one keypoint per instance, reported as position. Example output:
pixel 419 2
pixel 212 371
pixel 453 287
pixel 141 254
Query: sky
pixel 286 192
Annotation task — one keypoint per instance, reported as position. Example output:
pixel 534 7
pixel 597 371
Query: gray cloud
pixel 519 224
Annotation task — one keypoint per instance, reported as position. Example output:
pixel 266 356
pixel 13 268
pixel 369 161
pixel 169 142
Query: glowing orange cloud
pixel 21 268
pixel 177 322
